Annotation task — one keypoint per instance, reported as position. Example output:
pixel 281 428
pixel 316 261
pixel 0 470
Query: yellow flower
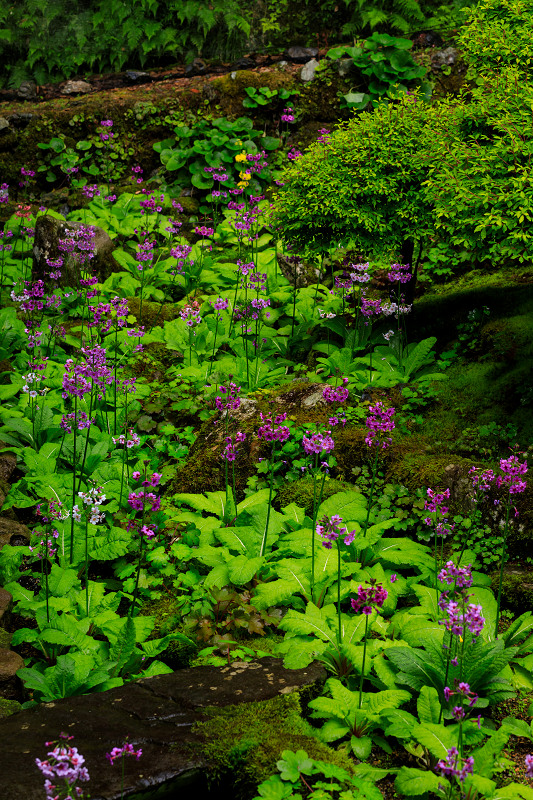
pixel 245 176
pixel 240 157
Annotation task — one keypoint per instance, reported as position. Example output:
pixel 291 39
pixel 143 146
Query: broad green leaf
pixel 438 739
pixel 428 705
pixel 242 569
pixel 415 782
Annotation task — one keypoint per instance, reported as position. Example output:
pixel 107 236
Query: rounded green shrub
pixel 363 183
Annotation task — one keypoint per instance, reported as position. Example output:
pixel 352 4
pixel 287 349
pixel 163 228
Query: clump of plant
pixel 387 66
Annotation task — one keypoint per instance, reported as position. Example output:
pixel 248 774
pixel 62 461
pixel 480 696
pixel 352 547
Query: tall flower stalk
pixel 121 752
pixel 441 527
pixel 512 479
pixel 367 600
pixel 379 422
pixel 272 430
pixel 144 503
pixel 330 531
pixel 317 445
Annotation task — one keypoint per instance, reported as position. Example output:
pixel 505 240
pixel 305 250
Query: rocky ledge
pixel 156 714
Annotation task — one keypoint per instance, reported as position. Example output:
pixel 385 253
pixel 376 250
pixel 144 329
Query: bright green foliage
pixel 329 781
pixel 364 184
pixel 479 179
pixel 387 65
pixel 498 35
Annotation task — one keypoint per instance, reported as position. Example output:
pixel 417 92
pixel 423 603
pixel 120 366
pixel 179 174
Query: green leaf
pixel 242 569
pixel 123 646
pixel 428 705
pixel 292 764
pixel 361 746
pixel 414 782
pixel 438 739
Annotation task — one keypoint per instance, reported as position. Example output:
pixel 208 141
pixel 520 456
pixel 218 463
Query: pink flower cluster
pixel 230 450
pixel 336 394
pixel 330 531
pixel 66 764
pixel 372 597
pixel 125 750
pixel 272 429
pixel 130 442
pixel 449 768
pixel 434 505
pixel 232 401
pixel 379 422
pixel 316 443
pixel 400 273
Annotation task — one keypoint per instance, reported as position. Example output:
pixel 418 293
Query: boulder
pixel 308 70
pixel 156 714
pixel 76 87
pixel 300 55
pixel 48 231
pixel 12 532
pixel 6 601
pixel 27 90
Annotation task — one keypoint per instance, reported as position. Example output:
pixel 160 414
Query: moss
pixel 301 492
pixel 423 469
pixel 517 590
pixel 243 743
pixel 8 707
pixel 165 610
pixel 152 313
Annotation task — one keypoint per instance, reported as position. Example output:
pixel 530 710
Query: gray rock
pixel 76 87
pixel 156 714
pixel 6 601
pixel 12 532
pixel 197 67
pixel 27 90
pixel 444 58
pixel 48 231
pixel 137 76
pixel 344 66
pixel 8 463
pixel 4 125
pixel 10 662
pixel 21 118
pixel 308 70
pixel 300 55
pixel 244 63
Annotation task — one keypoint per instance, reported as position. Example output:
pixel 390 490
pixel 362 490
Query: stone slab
pixel 156 714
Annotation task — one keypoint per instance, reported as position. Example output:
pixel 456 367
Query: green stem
pixel 265 534
pixel 75 429
pixel 500 579
pixel 339 592
pixel 86 568
pixel 363 666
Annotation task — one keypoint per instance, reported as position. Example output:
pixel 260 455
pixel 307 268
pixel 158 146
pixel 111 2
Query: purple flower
pixel 66 763
pixel 272 429
pixel 317 443
pixel 378 422
pixel 125 750
pixel 393 578
pixel 230 450
pixel 513 469
pixel 529 766
pixel 372 597
pixel 329 529
pixel 336 394
pixel 400 273
pixel 461 577
pixel 232 401
pixel 449 768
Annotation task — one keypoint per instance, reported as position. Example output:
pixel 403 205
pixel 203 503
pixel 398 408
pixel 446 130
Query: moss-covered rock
pixel 517 588
pixel 243 743
pixel 302 492
pixel 8 707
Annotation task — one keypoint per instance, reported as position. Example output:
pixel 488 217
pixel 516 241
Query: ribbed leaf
pixel 436 738
pixel 416 782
